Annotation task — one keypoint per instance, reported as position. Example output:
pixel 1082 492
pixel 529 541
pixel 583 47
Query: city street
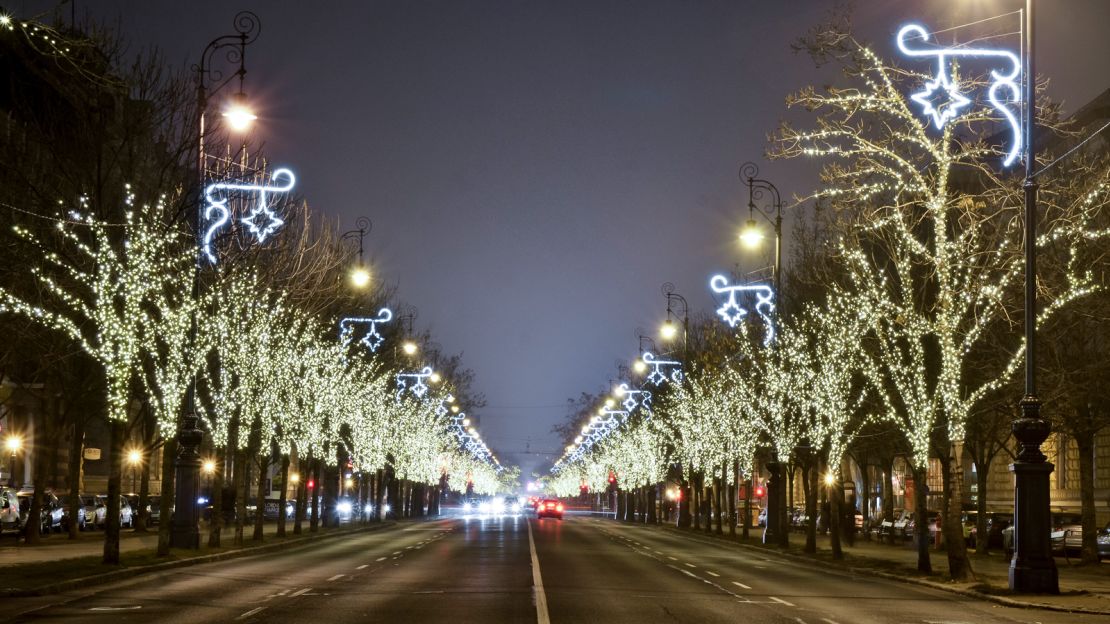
pixel 471 569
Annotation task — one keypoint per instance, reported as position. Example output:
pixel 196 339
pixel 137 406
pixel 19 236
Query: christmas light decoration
pixel 418 387
pixel 372 339
pixel 733 313
pixel 659 368
pixel 261 221
pixel 1003 84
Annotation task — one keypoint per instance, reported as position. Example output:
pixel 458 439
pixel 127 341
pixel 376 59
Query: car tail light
pixel 559 507
pixel 550 505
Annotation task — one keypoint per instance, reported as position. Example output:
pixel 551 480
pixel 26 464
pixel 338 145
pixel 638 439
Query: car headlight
pixel 344 507
pixel 386 508
pixel 1103 538
pixel 516 507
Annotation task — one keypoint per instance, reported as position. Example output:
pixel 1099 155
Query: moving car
pixel 550 508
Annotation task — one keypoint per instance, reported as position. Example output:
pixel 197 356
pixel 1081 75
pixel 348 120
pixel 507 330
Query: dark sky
pixel 536 170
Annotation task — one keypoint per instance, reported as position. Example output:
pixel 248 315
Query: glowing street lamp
pixel 409 347
pixel 751 236
pixel 668 331
pixel 209 467
pixel 360 275
pixel 238 114
pixel 13 444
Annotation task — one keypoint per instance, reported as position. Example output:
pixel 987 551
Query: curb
pixel 119 575
pixel 971 593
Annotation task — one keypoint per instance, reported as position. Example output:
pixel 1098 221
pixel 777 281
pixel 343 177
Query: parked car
pixel 88 506
pixel 126 516
pixel 50 516
pixel 1067 533
pixel 1103 541
pixel 270 510
pixel 81 518
pixel 996 524
pixel 154 509
pixel 1056 533
pixel 10 518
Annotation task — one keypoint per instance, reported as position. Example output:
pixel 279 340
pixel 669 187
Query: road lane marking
pixel 711 573
pixel 690 565
pixel 363 566
pixel 250 613
pixel 396 552
pixel 659 552
pixel 381 558
pixel 542 616
pixel 828 621
pixel 336 577
pixel 672 558
pixel 115 608
pixel 300 592
pixel 739 584
pixel 781 601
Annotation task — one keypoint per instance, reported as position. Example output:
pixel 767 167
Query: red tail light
pixel 559 507
pixel 550 505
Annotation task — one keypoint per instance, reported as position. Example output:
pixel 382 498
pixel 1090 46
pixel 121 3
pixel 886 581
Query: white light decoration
pixel 261 222
pixel 630 401
pixel 418 387
pixel 658 373
pixel 1001 81
pixel 372 339
pixel 733 313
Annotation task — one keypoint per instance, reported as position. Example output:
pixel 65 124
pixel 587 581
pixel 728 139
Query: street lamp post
pixel 185 531
pixel 13 444
pixel 775 530
pixel 1032 568
pixel 669 332
pixel 360 275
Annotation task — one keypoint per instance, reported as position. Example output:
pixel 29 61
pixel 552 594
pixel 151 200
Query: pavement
pixel 56 546
pixel 519 569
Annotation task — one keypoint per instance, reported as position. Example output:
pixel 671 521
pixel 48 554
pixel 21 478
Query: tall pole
pixel 685 518
pixel 775 531
pixel 185 528
pixel 1032 569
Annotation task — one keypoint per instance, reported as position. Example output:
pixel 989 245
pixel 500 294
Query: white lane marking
pixel 672 558
pixel 396 552
pixel 690 565
pixel 115 608
pixel 799 620
pixel 408 547
pixel 829 621
pixel 711 573
pixel 336 577
pixel 381 558
pixel 659 552
pixel 363 566
pixel 739 584
pixel 781 601
pixel 250 613
pixel 542 617
pixel 300 592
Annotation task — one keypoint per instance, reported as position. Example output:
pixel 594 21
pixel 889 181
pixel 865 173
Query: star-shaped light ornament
pixel 262 228
pixel 951 100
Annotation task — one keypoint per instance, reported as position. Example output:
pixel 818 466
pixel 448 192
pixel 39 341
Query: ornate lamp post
pixel 185 531
pixel 752 237
pixel 669 331
pixel 1032 568
pixel 360 275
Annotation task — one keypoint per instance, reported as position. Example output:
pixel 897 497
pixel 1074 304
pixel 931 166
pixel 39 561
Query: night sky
pixel 536 170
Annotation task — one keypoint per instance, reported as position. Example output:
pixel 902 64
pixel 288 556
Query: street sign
pixel 92 454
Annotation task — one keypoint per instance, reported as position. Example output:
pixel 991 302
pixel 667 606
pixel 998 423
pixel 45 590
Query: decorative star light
pixel 733 313
pixel 372 339
pixel 657 376
pixel 418 387
pixel 1001 81
pixel 945 111
pixel 630 401
pixel 261 221
pixel 442 409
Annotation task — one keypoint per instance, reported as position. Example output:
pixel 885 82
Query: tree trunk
pixel 283 499
pixel 718 512
pixel 732 495
pixel 314 500
pixel 809 490
pixel 920 528
pixel 836 503
pixel 143 518
pixel 747 499
pixel 260 498
pixel 115 464
pixel 982 532
pixel 685 497
pixel 1086 446
pixel 653 517
pixel 888 490
pixel 166 496
pixel 239 481
pixel 959 566
pixel 302 494
pixel 76 456
pixel 216 518
pixel 379 494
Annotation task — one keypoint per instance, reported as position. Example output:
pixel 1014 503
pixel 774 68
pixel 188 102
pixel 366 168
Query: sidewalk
pixel 1082 588
pixel 57 546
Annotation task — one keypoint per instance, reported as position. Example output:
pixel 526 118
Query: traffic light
pixel 759 491
pixel 311 484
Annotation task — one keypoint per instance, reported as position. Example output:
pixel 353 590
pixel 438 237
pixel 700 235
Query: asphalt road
pixel 493 570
